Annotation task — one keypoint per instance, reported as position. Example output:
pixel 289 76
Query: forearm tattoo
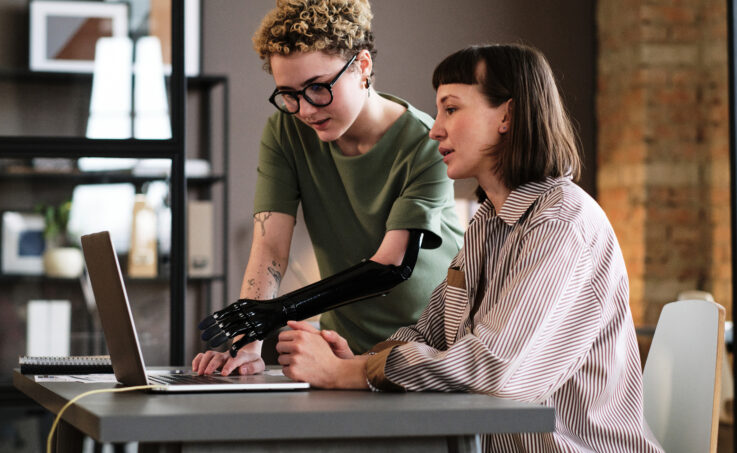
pixel 260 218
pixel 275 273
pixel 267 289
pixel 274 270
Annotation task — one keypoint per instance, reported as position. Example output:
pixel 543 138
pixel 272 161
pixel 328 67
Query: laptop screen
pixel 114 309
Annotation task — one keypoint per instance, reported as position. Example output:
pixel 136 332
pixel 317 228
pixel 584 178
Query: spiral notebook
pixel 122 341
pixel 86 364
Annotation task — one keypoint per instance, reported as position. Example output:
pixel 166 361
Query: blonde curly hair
pixel 338 27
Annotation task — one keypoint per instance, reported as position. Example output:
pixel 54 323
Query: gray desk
pixel 314 420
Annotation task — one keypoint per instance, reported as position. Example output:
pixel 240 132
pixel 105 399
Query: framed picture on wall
pixel 23 243
pixel 63 34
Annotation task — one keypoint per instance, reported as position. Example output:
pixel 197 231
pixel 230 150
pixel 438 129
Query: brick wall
pixel 663 146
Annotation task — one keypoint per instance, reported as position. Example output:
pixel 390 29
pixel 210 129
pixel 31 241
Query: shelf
pixel 102 177
pixel 26 75
pixel 205 81
pixel 20 278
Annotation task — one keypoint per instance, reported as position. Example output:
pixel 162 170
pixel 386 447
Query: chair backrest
pixel 681 376
pixel 695 294
pixel 726 397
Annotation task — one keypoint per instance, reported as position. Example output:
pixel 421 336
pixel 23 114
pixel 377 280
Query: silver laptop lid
pixel 112 304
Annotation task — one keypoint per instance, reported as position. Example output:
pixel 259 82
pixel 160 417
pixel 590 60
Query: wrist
pixel 253 347
pixel 351 373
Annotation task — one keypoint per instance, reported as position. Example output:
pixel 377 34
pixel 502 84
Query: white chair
pixel 681 379
pixel 726 397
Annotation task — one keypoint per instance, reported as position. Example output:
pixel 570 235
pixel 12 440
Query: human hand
pixel 251 319
pixel 306 355
pixel 338 344
pixel 245 362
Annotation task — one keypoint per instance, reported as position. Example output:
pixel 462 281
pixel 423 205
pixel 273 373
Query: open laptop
pixel 122 340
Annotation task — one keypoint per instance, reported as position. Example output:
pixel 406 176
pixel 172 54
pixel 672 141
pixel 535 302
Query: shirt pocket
pixel 456 304
pixel 456 278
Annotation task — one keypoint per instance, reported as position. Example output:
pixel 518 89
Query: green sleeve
pixel 277 187
pixel 426 196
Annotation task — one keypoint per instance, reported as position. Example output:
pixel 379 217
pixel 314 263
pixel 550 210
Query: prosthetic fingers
pixel 255 319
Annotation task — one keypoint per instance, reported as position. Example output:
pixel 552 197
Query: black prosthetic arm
pixel 255 319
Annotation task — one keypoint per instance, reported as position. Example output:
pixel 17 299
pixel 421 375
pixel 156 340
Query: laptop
pixel 122 341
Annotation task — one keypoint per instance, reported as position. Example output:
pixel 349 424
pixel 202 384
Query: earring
pixel 368 83
pixel 503 128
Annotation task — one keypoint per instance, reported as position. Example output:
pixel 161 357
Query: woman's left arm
pixel 530 338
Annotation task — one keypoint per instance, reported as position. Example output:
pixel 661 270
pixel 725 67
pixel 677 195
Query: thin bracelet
pixel 373 389
pixel 368 382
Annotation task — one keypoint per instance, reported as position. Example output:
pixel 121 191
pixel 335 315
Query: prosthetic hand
pixel 255 319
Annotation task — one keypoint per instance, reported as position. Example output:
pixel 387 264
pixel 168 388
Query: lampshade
pixel 151 119
pixel 110 103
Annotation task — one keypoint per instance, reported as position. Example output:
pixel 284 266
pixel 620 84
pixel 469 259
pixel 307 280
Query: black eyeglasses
pixel 317 94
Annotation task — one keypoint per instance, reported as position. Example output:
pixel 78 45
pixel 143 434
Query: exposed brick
pixel 669 54
pixel 683 33
pixel 685 77
pixel 663 13
pixel 663 146
pixel 651 76
pixel 654 32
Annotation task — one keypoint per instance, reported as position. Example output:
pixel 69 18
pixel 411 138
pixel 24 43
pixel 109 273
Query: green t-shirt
pixel 349 202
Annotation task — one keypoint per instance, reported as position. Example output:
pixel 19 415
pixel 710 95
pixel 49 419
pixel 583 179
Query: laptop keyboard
pixel 182 379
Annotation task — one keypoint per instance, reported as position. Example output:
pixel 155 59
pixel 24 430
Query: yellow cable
pixel 82 395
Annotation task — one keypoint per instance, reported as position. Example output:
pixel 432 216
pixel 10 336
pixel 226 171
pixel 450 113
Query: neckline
pixel 389 135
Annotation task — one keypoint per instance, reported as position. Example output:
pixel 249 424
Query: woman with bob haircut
pixel 535 306
pixel 369 179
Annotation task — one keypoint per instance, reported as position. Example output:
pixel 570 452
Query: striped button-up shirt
pixel 535 308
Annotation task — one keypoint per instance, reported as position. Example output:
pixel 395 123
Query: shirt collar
pixel 519 200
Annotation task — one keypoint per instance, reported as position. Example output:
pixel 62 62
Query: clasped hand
pixel 320 357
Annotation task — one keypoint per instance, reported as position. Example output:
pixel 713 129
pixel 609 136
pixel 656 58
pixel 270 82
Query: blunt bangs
pixel 459 67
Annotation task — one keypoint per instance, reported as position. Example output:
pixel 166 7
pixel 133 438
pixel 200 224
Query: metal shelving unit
pixel 25 147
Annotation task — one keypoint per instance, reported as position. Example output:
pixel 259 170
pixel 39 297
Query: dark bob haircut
pixel 541 142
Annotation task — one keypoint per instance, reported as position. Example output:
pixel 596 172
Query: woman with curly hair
pixel 370 181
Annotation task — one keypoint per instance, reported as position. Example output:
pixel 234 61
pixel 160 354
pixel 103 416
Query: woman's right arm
pixel 267 264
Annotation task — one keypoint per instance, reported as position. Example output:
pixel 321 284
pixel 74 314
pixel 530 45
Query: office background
pixel 645 81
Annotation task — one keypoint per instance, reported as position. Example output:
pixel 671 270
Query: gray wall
pixel 412 37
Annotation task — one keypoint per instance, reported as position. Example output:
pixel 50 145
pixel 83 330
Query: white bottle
pixel 142 257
